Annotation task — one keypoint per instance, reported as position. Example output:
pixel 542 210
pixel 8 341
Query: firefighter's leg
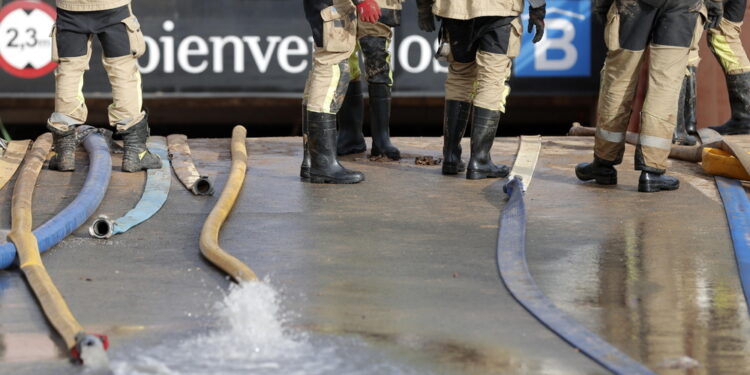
pixel 350 117
pixel 72 51
pixel 375 40
pixel 326 87
pixel 626 35
pixel 123 44
pixel 669 58
pixel 726 45
pixel 459 92
pixel 686 130
pixel 499 43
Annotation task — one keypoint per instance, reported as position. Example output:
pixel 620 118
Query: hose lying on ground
pixel 11 159
pixel 209 240
pixel 686 153
pixel 514 272
pixel 737 208
pixel 80 209
pixel 80 344
pixel 154 196
pixel 184 168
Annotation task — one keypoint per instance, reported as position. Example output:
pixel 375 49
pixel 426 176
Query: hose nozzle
pixel 91 350
pixel 102 228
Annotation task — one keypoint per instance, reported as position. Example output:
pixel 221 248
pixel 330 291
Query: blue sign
pixel 565 49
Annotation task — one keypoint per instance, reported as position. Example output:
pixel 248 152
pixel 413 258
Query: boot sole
pixel 350 151
pixel 450 170
pixel 598 180
pixel 395 155
pixel 653 188
pixel 480 175
pixel 330 180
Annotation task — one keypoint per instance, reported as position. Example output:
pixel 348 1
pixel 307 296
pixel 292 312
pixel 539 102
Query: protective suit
pixel 668 29
pixel 374 41
pixel 334 28
pixel 483 37
pixel 726 45
pixel 118 30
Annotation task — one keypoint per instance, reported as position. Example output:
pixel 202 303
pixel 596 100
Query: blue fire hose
pixel 514 271
pixel 154 196
pixel 78 211
pixel 737 208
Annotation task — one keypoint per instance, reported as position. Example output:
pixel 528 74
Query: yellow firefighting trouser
pixel 124 76
pixel 619 78
pixel 482 79
pixel 329 76
pixel 726 45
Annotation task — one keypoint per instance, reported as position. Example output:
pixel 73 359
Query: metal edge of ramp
pixel 737 208
pixel 155 194
pixel 515 274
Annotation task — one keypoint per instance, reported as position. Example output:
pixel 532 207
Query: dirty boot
pixel 304 169
pixel 483 133
pixel 65 140
pixel 739 99
pixel 650 182
pixel 680 135
pixel 454 126
pixel 350 139
pixel 691 95
pixel 324 168
pixel 136 156
pixel 601 171
pixel 380 119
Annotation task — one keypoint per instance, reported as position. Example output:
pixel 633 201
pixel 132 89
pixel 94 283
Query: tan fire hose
pixel 209 240
pixel 55 308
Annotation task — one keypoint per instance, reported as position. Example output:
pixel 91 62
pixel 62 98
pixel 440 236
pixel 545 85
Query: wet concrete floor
pixel 405 262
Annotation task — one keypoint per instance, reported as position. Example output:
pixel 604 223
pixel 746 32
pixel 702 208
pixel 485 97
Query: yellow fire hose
pixel 209 240
pixel 52 302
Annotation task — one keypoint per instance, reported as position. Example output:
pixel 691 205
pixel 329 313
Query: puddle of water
pixel 253 336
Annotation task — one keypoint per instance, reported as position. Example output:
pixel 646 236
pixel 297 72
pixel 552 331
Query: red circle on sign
pixel 27 73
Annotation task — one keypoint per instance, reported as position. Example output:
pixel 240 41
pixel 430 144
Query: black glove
pixel 715 13
pixel 425 19
pixel 536 18
pixel 601 8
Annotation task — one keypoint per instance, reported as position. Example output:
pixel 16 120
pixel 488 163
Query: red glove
pixel 369 11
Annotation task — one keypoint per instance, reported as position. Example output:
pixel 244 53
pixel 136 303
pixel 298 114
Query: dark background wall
pixel 192 80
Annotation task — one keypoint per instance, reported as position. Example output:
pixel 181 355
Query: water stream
pixel 253 337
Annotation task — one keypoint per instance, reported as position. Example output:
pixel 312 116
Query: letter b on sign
pixel 565 50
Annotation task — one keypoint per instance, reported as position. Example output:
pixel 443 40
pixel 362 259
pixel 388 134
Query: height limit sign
pixel 25 43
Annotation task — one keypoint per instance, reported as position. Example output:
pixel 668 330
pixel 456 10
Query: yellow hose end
pixel 718 162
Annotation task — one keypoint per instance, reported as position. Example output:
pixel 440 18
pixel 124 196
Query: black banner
pixel 262 48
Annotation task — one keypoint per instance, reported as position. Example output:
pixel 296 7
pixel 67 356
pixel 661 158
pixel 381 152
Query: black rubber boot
pixel 380 119
pixel 454 126
pixel 304 169
pixel 652 181
pixel 136 156
pixel 691 95
pixel 483 132
pixel 680 135
pixel 739 99
pixel 601 171
pixel 324 168
pixel 350 116
pixel 65 142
